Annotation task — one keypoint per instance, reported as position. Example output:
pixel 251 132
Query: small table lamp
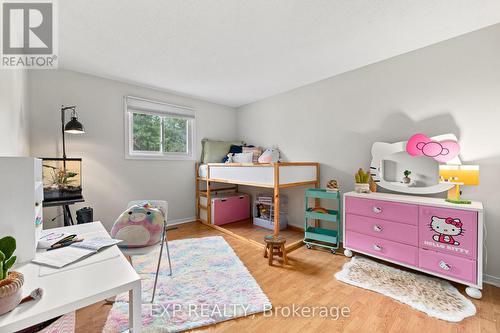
pixel 458 175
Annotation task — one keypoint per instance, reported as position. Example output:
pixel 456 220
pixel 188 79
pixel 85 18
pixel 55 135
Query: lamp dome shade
pixel 74 126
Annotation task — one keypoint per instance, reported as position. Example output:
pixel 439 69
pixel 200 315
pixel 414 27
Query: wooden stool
pixel 276 246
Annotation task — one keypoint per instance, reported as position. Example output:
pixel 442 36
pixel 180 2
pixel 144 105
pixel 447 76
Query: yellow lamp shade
pixel 462 174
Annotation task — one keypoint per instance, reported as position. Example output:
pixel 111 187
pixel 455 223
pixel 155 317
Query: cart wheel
pixel 333 251
pixel 348 253
pixel 309 246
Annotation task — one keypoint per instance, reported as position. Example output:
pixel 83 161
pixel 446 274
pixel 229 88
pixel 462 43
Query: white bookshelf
pixel 21 198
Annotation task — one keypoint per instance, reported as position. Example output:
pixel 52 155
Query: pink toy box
pixel 229 207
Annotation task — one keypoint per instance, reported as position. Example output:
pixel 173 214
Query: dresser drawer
pixel 452 266
pixel 386 210
pixel 393 231
pixel 450 231
pixel 381 247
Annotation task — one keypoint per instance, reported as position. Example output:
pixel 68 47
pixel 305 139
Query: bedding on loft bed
pixel 260 174
pixel 256 166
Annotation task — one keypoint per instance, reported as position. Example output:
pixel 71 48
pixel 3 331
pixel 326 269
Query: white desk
pixel 76 288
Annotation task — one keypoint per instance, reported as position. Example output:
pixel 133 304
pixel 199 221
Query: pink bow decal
pixel 456 223
pixel 422 145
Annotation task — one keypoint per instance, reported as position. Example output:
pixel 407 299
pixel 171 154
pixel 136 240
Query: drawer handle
pixel 377 228
pixel 377 247
pixel 37 204
pixel 444 265
pixel 377 210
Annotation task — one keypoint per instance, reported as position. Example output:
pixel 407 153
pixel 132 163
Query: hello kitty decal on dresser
pixel 446 229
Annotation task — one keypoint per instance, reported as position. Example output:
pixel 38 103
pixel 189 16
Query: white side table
pixel 76 288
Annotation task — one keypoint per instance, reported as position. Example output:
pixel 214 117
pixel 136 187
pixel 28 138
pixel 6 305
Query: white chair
pixel 163 206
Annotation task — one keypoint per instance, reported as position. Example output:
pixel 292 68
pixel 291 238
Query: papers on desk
pixel 64 256
pixel 101 256
pixel 49 238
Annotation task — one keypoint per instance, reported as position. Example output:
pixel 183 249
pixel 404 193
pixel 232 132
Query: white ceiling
pixel 238 51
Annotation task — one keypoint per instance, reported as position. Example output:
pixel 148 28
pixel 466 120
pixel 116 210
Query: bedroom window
pixel 157 130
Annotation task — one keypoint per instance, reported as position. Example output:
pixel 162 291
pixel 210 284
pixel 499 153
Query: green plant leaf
pixel 9 263
pixel 7 246
pixel 2 256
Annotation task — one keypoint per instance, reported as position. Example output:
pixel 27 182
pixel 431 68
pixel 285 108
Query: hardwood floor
pixel 308 281
pixel 248 230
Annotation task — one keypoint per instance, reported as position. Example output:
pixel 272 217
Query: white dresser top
pixel 418 200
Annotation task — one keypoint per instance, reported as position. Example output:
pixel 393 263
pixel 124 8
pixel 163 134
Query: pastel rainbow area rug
pixel 209 285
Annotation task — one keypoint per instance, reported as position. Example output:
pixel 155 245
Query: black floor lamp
pixel 73 127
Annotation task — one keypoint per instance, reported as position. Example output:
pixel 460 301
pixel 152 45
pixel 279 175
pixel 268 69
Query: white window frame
pixel 134 104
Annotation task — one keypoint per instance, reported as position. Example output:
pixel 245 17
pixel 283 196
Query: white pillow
pixel 243 158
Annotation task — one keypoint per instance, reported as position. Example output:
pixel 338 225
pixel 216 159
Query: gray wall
pixel 109 180
pixel 13 113
pixel 453 86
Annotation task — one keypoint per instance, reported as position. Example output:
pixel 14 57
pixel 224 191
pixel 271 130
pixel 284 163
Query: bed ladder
pixel 207 192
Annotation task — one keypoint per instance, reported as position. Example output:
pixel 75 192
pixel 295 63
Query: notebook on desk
pixel 64 256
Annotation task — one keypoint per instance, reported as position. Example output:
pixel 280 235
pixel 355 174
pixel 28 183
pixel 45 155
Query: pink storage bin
pixel 231 208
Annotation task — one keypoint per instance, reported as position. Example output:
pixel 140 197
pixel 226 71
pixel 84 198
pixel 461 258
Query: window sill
pixel 159 157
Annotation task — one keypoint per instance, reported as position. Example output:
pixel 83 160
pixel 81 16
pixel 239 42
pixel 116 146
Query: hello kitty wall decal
pixel 442 151
pixel 446 229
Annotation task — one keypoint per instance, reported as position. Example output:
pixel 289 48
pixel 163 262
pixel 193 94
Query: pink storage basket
pixel 231 208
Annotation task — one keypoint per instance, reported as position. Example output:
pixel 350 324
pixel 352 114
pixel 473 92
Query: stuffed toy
pixel 270 155
pixel 229 158
pixel 139 226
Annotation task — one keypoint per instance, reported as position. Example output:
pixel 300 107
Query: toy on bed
pixel 270 155
pixel 139 226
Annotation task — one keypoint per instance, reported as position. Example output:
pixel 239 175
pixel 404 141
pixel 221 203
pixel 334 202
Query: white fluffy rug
pixel 435 297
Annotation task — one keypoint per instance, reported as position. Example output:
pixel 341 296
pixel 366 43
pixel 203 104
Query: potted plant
pixel 362 181
pixel 10 282
pixel 406 178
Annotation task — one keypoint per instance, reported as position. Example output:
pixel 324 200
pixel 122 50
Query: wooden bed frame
pixel 276 187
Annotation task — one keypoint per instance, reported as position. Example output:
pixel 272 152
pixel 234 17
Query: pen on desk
pixel 58 246
pixel 65 239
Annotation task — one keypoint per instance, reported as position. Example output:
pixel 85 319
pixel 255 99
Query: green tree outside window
pixel 149 129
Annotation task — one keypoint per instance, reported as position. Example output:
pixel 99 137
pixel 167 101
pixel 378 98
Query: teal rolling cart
pixel 315 235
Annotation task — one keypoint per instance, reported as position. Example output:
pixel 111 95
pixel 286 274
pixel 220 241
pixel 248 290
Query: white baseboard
pixel 181 221
pixel 490 279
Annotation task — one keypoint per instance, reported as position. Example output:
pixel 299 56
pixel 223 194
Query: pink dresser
pixel 426 234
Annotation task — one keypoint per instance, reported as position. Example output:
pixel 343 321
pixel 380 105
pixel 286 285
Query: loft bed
pixel 276 176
